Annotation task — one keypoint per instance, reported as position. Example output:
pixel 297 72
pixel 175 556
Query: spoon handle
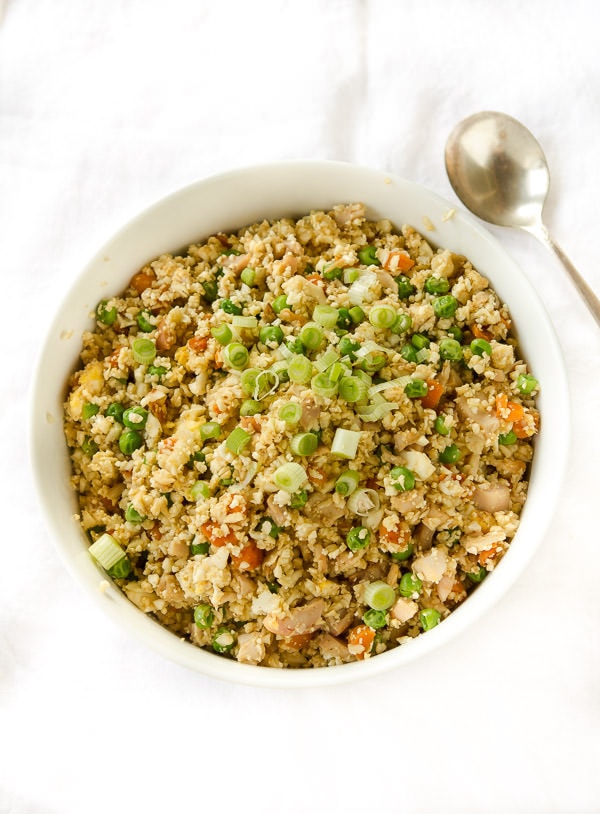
pixel 590 299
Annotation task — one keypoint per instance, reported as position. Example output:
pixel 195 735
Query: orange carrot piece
pixel 488 554
pixel 508 410
pixel 250 557
pixel 434 393
pixel 298 641
pixel 480 333
pixel 198 343
pixel 214 535
pixel 363 636
pixel 398 261
pixel 399 536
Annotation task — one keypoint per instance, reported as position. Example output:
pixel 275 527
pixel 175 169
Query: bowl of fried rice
pixel 298 424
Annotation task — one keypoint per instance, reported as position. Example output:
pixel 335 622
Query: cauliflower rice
pixel 302 444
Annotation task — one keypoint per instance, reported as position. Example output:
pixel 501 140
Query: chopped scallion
pixel 345 443
pixel 379 595
pixel 347 482
pixel 143 351
pixel 291 412
pixel 325 315
pixel 290 477
pixel 237 440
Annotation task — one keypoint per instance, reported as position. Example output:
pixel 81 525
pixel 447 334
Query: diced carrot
pixel 361 636
pixel 315 278
pixel 250 557
pixel 316 476
pixel 480 333
pixel 142 280
pixel 250 423
pixel 525 427
pixel 508 410
pixel 398 261
pixel 198 343
pixel 435 391
pixel 398 536
pixel 215 535
pixel 488 554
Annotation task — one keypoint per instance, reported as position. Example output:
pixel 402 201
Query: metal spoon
pixel 499 171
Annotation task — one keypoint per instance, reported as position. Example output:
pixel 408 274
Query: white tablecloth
pixel 106 106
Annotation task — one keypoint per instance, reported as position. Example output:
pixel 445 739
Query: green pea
pixel 279 303
pixel 358 538
pixel 135 418
pixel 107 316
pixel 402 479
pixel 271 336
pixel 143 323
pixel 479 347
pixel 437 285
pixel 129 441
pixel 115 410
pixel 477 576
pixel 223 640
pixel 132 515
pixel 156 370
pixel 298 500
pixel 445 307
pixel 456 333
pixel 527 383
pixel 507 439
pixel 406 554
pixel 410 585
pixel 199 548
pixel 416 389
pixel 450 349
pixel 332 274
pixel 450 455
pixel 347 347
pixel 375 618
pixel 368 256
pixel 439 425
pixel 203 615
pixel 210 289
pixel 120 569
pixel 408 353
pixel 429 618
pixel 231 308
pixel 89 447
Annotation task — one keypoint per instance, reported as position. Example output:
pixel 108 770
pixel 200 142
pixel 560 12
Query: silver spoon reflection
pixel 500 173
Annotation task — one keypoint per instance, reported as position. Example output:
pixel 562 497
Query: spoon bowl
pixel 499 171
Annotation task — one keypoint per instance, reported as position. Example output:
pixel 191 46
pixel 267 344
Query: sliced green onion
pixel 479 347
pixel 298 501
pixel 210 430
pixel 361 288
pixel 423 355
pixel 368 256
pixel 280 369
pixel 223 640
pixel 279 303
pixel 290 477
pixel 363 376
pixel 352 389
pixel 337 370
pixel 299 369
pixel 231 308
pixel 210 289
pixel 375 619
pixel 89 410
pixel 248 380
pixel 358 538
pixel 305 443
pixel 129 441
pixel 351 276
pixel 334 273
pixel 420 341
pixel 203 615
pixel 357 315
pixel 376 389
pixel 375 412
pixel 527 383
pixel 322 385
pixel 251 407
pixel 345 443
pixel 156 370
pixel 408 353
pixel 450 455
pixel 311 335
pixel 248 276
pixel 198 490
pixel 143 322
pixel 266 384
pixel 295 346
pixel 132 515
pixel 325 315
pixel 429 617
pixel 271 336
pixel 143 351
pixel 247 323
pixel 373 361
pixel 403 479
pixel 291 412
pixel 121 569
pixel 135 418
pixel 326 359
pixel 347 346
pixel 445 307
pixel 237 440
pixel 436 285
pixel 410 585
pixel 382 316
pixel 235 355
pixel 107 316
pixel 507 439
pixel 402 324
pixel 222 333
pixel 416 389
pixel 106 551
pixel 347 482
pixel 379 595
pixel 450 349
pixel 405 287
pixel 199 548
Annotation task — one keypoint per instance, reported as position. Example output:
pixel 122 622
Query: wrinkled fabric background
pixel 105 107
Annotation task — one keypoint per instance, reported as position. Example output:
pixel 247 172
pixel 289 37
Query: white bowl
pixel 228 202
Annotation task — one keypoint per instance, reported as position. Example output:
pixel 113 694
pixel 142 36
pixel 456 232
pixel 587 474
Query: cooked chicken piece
pixel 302 619
pixel 337 625
pixel 325 509
pixel 332 648
pixel 423 537
pixel 430 567
pixel 404 609
pixel 279 514
pixel 346 214
pixel 251 648
pixel 169 589
pixel 492 497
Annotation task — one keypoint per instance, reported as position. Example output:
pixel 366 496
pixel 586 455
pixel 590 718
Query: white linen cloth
pixel 108 105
